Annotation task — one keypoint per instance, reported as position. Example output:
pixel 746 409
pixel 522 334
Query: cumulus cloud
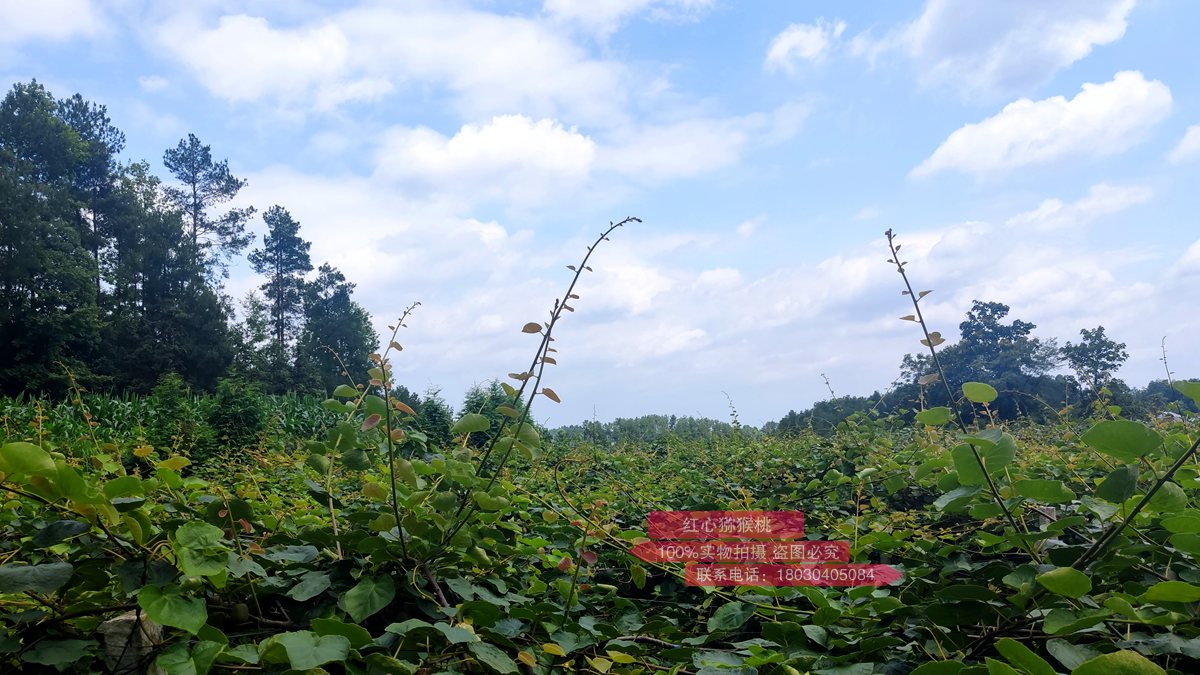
pixel 487 64
pixel 1103 119
pixel 244 58
pixel 657 323
pixel 1102 200
pixel 511 157
pixel 803 42
pixel 1188 147
pixel 49 20
pixel 997 49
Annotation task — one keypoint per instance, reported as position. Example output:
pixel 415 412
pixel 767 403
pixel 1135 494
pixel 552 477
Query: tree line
pixel 1024 369
pixel 113 275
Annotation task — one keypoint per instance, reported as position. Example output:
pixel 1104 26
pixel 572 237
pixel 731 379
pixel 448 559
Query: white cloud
pixel 720 277
pixel 49 20
pixel 1000 48
pixel 1187 268
pixel 605 16
pixel 694 146
pixel 487 64
pixel 244 58
pixel 803 42
pixel 511 157
pixel 748 227
pixel 663 326
pixel 1102 199
pixel 153 82
pixel 1188 148
pixel 1103 119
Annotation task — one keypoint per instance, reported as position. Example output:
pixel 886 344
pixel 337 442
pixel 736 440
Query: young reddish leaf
pixel 549 393
pixel 589 557
pixel 371 422
pixel 403 407
pixel 908 317
pixel 532 327
pixel 564 564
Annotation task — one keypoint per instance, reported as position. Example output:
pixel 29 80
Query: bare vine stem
pixel 534 372
pixel 387 430
pixel 929 342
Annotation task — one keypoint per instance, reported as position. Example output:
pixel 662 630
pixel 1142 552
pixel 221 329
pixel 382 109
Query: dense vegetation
pixel 198 519
pixel 115 276
pixel 1022 368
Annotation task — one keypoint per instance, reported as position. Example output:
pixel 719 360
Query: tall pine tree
pixel 283 259
pixel 205 184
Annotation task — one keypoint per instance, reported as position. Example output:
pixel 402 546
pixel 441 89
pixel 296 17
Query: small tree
pixel 333 324
pixel 284 260
pixel 435 418
pixel 1095 358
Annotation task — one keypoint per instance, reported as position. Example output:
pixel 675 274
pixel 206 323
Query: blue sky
pixel 462 153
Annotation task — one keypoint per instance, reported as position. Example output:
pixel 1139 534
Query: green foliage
pixel 236 415
pixel 435 418
pixel 203 185
pixel 48 281
pixel 283 259
pixel 337 338
pixel 1096 356
pixel 173 425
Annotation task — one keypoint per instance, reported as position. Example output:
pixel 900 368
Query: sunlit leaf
pixel 1066 581
pixel 934 416
pixel 1124 662
pixel 470 423
pixel 1124 439
pixel 979 392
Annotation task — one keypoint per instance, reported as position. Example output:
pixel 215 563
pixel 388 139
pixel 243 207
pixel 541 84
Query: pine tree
pixel 284 260
pixel 204 184
pixel 335 327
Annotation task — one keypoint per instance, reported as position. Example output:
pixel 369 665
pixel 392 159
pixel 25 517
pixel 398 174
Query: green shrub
pixel 173 424
pixel 236 414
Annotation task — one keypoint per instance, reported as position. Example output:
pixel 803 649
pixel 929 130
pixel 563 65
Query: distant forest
pixel 1022 367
